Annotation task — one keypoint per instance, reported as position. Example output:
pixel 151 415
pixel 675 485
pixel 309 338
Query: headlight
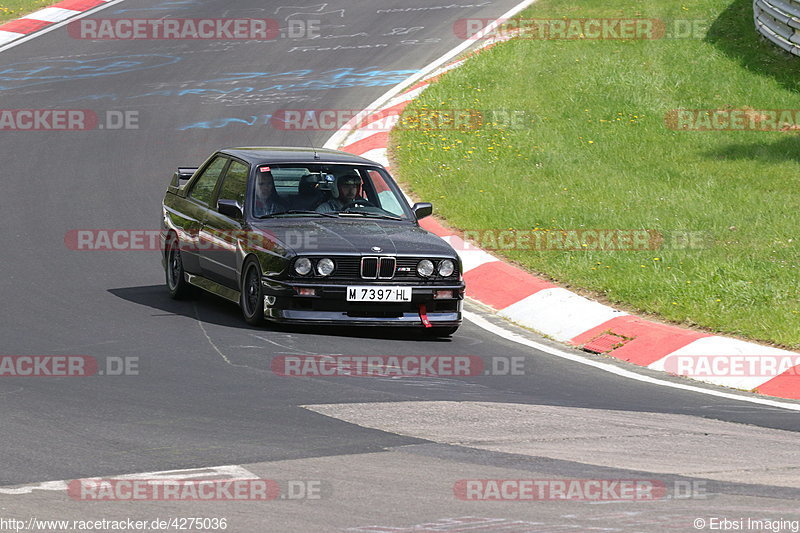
pixel 446 268
pixel 325 267
pixel 425 268
pixel 302 266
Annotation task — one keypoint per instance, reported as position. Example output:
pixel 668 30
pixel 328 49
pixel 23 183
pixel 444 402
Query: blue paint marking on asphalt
pixel 289 81
pixel 339 78
pixel 28 73
pixel 335 74
pixel 224 122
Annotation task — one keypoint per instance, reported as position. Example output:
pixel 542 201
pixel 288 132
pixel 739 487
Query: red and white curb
pixel 45 19
pixel 554 311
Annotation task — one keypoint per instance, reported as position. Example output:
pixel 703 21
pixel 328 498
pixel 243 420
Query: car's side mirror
pixel 182 176
pixel 422 209
pixel 230 208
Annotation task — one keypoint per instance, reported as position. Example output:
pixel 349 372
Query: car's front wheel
pixel 177 285
pixel 252 298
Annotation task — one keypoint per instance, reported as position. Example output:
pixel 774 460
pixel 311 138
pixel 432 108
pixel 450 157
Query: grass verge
pixel 594 151
pixel 13 9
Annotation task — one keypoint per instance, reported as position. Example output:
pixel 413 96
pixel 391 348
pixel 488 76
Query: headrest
pixel 308 185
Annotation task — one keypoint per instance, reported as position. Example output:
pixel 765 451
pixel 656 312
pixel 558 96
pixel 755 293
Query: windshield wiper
pixel 368 215
pixel 300 212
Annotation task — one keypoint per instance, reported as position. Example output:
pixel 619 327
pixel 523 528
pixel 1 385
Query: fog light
pixel 442 295
pixel 269 301
pixel 306 291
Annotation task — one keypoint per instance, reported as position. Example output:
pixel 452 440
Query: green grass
pixel 12 9
pixel 597 154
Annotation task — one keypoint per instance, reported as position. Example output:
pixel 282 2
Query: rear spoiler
pixel 180 178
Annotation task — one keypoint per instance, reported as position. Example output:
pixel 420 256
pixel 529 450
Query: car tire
pixel 252 294
pixel 441 331
pixel 178 287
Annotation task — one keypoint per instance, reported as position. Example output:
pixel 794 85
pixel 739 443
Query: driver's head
pixel 349 187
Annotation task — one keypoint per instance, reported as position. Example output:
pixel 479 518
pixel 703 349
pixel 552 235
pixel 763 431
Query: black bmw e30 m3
pixel 308 236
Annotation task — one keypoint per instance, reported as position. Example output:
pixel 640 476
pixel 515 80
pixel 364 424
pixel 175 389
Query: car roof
pixel 292 154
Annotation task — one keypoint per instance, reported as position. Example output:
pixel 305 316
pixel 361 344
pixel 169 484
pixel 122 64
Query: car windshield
pixel 327 190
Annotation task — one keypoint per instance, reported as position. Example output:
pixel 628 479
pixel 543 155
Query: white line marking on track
pixel 292 349
pixel 208 338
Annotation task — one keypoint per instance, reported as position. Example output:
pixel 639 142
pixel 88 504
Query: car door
pixel 218 262
pixel 200 198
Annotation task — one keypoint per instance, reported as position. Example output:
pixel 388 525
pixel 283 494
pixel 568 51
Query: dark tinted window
pixel 203 188
pixel 235 184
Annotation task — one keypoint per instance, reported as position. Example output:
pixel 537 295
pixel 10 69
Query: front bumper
pixel 330 306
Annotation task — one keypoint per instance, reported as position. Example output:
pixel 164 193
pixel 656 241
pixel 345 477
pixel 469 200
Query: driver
pixel 348 187
pixel 267 199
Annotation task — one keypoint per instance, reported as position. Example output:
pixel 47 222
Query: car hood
pixel 353 236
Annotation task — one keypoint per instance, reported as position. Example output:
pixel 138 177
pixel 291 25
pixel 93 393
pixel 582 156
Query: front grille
pixel 369 267
pixel 377 267
pixel 355 268
pixel 346 268
pixel 387 268
pixel 407 267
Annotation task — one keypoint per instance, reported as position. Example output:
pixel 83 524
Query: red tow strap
pixel 424 316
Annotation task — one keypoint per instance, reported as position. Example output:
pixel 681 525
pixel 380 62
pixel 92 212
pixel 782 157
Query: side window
pixel 235 184
pixel 203 188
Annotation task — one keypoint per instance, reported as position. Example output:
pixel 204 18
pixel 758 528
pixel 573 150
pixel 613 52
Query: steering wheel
pixel 358 202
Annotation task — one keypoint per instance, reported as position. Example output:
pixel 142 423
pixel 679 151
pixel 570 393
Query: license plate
pixel 378 294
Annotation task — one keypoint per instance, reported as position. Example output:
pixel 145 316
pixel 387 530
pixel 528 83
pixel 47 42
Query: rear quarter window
pixel 203 188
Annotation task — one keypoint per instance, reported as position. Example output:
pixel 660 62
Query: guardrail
pixel 779 21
